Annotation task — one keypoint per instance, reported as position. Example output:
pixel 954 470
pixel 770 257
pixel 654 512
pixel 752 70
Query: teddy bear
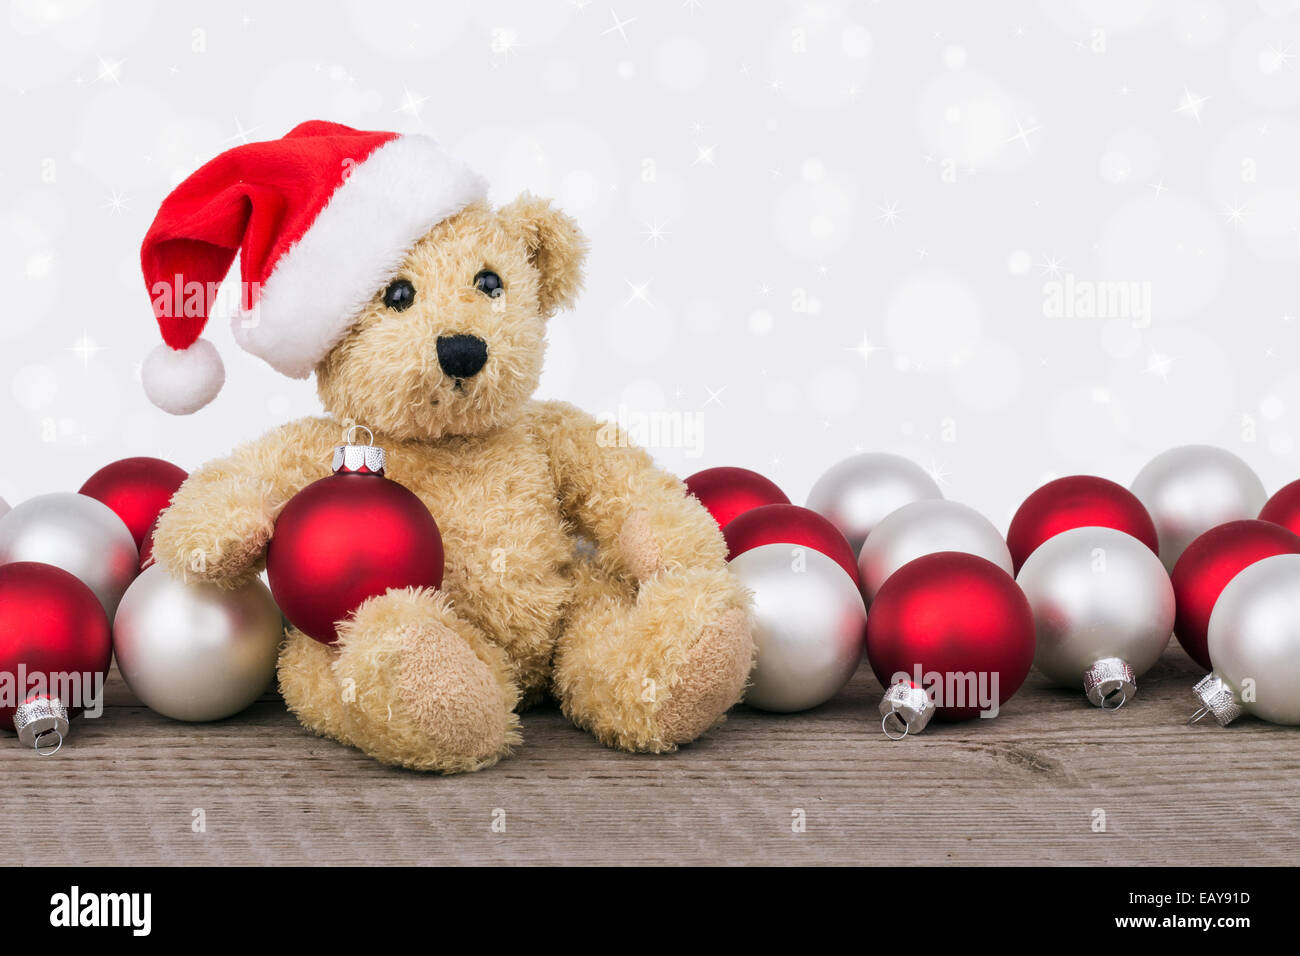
pixel 575 568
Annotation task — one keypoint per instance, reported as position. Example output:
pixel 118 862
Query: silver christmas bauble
pixel 78 534
pixel 1103 611
pixel 1190 489
pixel 924 527
pixel 1254 638
pixel 857 493
pixel 809 626
pixel 196 652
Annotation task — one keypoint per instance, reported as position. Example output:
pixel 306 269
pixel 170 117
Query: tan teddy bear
pixel 374 260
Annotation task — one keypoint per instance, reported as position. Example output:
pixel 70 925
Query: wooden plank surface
pixel 1021 788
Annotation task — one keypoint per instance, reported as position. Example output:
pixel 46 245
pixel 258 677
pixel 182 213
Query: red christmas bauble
pixel 346 538
pixel 1079 501
pixel 1208 564
pixel 789 524
pixel 958 621
pixel 137 489
pixel 730 492
pixel 1284 507
pixel 54 638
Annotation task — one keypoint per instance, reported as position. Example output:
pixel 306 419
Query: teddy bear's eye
pixel 489 283
pixel 400 295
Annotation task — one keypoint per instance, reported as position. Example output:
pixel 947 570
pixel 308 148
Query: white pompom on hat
pixel 320 219
pixel 181 381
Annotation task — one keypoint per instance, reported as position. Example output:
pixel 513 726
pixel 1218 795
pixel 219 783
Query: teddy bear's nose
pixel 461 356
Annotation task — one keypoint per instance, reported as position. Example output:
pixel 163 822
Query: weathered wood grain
pixel 1018 789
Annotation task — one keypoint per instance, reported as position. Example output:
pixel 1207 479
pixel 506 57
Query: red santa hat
pixel 321 219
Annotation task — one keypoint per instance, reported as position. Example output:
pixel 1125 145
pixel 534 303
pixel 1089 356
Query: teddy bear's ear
pixel 555 247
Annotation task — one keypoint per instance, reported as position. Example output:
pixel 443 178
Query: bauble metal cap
pixel 354 459
pixel 1217 699
pixel 42 723
pixel 905 709
pixel 1109 683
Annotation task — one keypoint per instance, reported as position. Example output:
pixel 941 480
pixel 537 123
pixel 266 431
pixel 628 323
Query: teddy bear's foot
pixel 409 683
pixel 710 680
pixel 660 672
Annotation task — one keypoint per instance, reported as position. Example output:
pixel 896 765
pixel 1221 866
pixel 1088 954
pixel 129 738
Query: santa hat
pixel 321 219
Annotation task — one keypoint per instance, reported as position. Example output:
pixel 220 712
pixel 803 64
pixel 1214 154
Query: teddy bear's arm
pixel 220 520
pixel 614 492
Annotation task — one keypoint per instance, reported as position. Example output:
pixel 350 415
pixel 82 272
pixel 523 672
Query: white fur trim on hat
pixel 182 381
pixel 354 247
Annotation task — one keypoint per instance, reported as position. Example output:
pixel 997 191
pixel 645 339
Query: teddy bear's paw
pixel 214 535
pixel 709 681
pixel 428 690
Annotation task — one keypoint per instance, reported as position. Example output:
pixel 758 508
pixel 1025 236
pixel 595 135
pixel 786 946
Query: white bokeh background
pixel 817 227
